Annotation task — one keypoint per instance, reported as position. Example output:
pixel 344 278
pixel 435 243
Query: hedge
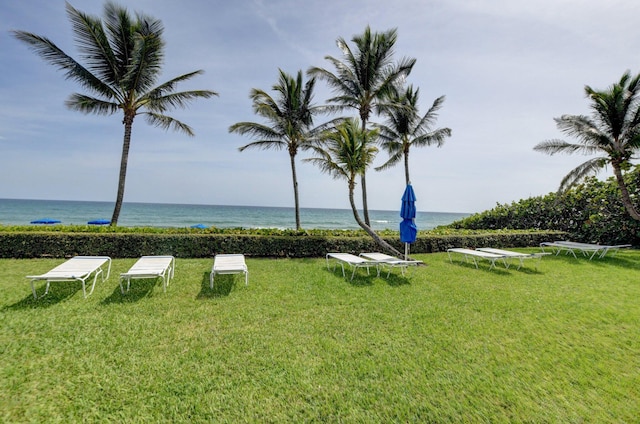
pixel 131 245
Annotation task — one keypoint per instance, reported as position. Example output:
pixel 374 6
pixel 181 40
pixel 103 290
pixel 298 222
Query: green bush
pixel 32 244
pixel 590 212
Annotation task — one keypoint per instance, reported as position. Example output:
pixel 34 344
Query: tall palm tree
pixel 364 79
pixel 612 131
pixel 345 154
pixel 290 116
pixel 405 128
pixel 123 61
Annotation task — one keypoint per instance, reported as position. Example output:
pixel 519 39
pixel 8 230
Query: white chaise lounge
pixel 509 254
pixel 587 249
pixel 390 261
pixel 478 254
pixel 353 261
pixel 78 268
pixel 150 267
pixel 232 263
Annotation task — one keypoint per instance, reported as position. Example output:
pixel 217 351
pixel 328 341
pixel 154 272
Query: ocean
pixel 22 212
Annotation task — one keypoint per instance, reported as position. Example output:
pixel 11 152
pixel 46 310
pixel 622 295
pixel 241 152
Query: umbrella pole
pixel 406 251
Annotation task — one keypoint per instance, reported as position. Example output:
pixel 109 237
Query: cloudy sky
pixel 506 67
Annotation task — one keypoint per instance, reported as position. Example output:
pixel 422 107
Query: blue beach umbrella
pixel 99 222
pixel 45 221
pixel 200 226
pixel 408 228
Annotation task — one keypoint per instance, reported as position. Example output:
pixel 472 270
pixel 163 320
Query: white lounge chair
pixel 478 254
pixel 390 261
pixel 150 267
pixel 78 268
pixel 353 261
pixel 229 264
pixel 587 249
pixel 515 255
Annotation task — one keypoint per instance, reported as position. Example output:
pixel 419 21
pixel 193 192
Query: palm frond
pixel 581 171
pixel 551 147
pixel 52 54
pixel 91 105
pixel 93 43
pixel 166 122
pixel 174 100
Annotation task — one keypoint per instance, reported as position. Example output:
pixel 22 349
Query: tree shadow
pixel 222 288
pixel 59 291
pixel 140 289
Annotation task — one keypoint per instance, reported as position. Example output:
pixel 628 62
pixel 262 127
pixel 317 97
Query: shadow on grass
pixel 59 291
pixel 362 279
pixel 223 285
pixel 140 288
pixel 617 260
pixel 482 266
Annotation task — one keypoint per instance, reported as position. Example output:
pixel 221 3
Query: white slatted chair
pixel 232 263
pixel 78 268
pixel 353 261
pixel 150 267
pixel 390 261
pixel 515 255
pixel 477 254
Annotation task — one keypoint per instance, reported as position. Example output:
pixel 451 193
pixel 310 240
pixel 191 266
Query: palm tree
pixel 345 154
pixel 290 115
pixel 405 128
pixel 613 132
pixel 364 79
pixel 124 58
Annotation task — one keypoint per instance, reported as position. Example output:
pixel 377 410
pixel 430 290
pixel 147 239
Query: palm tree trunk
pixel 406 167
pixel 295 191
pixel 363 179
pixel 128 123
pixel 624 192
pixel 365 207
pixel 383 244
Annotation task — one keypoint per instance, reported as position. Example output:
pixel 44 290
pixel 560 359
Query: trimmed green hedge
pixel 131 245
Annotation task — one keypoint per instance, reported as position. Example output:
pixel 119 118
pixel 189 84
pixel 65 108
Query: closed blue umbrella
pixel 45 221
pixel 408 228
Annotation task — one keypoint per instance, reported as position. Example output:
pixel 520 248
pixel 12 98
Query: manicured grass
pixel 449 343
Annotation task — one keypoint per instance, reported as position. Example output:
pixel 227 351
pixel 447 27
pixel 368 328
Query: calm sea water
pixel 22 212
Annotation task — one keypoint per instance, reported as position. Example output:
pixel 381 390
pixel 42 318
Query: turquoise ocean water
pixel 22 212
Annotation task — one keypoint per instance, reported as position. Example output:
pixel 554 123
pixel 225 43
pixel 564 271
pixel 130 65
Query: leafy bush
pixel 590 212
pixel 32 244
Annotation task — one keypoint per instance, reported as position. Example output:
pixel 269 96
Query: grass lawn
pixel 300 343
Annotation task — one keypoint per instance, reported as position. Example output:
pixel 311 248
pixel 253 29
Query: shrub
pixel 590 212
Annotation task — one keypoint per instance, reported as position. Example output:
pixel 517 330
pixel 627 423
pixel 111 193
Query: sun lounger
pixel 509 254
pixel 587 249
pixel 150 267
pixel 229 264
pixel 353 261
pixel 478 254
pixel 390 261
pixel 78 268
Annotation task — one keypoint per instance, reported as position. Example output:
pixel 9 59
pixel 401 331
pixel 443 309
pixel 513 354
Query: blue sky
pixel 506 67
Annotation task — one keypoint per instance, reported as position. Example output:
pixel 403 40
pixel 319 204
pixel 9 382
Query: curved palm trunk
pixel 385 246
pixel 295 191
pixel 128 123
pixel 625 197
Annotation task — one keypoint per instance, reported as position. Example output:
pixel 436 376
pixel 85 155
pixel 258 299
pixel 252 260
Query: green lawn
pixel 449 343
